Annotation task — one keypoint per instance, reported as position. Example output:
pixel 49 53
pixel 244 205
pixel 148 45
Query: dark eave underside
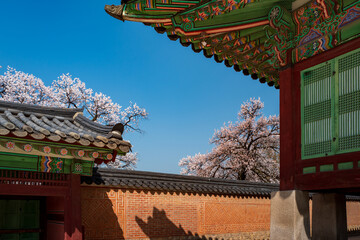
pixel 257 37
pixel 232 32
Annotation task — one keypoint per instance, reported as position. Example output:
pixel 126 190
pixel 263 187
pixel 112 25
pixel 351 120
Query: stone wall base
pixel 265 235
pixel 329 217
pixel 290 219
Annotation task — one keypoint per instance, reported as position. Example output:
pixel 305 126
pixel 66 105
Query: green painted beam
pixel 18 162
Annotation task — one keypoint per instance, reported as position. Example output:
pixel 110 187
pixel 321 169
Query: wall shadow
pixel 100 216
pixel 159 225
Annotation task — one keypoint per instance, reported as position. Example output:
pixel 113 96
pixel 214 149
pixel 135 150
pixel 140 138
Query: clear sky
pixel 186 94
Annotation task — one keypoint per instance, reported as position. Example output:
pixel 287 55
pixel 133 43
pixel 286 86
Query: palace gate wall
pixel 113 213
pixel 117 207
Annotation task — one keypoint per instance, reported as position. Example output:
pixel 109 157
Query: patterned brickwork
pixel 353 215
pixel 102 213
pixel 110 213
pixel 231 236
pixel 159 214
pixel 237 215
pixel 113 213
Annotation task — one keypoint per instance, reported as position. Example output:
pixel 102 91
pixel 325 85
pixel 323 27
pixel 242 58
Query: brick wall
pixel 115 213
pixel 112 213
pixel 353 215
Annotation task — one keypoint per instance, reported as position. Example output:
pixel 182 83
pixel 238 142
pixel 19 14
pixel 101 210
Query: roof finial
pixel 115 11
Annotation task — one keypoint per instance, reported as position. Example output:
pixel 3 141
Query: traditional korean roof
pixel 153 181
pixel 176 183
pixel 57 132
pixel 252 36
pixel 352 198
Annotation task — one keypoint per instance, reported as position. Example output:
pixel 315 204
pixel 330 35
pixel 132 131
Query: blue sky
pixel 186 94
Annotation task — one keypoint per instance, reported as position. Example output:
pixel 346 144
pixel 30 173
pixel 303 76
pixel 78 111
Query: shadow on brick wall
pixel 160 226
pixel 100 217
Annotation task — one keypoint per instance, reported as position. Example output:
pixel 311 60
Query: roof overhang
pixel 257 37
pixel 58 133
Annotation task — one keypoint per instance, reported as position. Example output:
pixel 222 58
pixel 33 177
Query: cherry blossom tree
pixel 124 162
pixel 69 92
pixel 245 150
pixel 17 86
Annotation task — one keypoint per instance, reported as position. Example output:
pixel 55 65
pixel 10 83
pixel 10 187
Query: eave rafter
pixel 252 36
pixel 60 140
pixel 213 27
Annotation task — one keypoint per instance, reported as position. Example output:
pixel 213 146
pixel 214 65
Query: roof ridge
pixel 51 124
pixel 165 176
pixel 166 182
pixel 32 108
pixel 92 125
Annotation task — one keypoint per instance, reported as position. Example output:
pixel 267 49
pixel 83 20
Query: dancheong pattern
pixel 46 149
pixel 51 164
pixel 28 148
pixel 320 27
pixel 257 37
pixel 77 168
pixel 10 145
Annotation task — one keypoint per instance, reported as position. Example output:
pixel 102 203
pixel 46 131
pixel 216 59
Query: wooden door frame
pixel 42 210
pixel 291 164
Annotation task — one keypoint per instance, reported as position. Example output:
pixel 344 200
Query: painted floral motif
pixel 63 151
pixel 27 148
pixel 46 149
pixel 10 145
pixel 95 154
pixel 109 156
pixel 81 153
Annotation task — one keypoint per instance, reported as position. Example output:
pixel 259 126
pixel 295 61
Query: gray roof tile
pixel 58 124
pixel 177 183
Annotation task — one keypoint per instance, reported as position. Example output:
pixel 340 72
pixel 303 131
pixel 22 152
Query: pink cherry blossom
pixel 245 150
pixel 69 92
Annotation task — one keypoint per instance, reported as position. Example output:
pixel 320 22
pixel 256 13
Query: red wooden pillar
pixel 72 218
pixel 287 129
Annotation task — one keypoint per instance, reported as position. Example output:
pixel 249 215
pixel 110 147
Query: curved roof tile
pixel 177 183
pixel 57 124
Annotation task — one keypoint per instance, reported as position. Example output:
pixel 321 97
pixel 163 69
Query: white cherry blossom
pixel 245 150
pixel 69 92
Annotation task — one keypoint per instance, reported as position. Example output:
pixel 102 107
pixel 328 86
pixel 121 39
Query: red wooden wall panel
pixel 291 165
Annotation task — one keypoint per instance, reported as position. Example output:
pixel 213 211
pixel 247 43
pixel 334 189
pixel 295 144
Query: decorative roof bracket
pixel 280 33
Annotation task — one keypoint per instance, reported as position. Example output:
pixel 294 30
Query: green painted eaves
pixel 65 145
